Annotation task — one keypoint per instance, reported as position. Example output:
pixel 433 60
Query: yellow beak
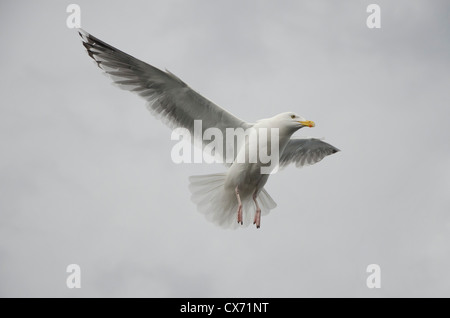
pixel 307 123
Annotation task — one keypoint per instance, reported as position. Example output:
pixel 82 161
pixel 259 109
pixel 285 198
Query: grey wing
pixel 305 151
pixel 167 96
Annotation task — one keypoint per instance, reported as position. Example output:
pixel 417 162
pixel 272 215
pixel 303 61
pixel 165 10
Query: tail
pixel 219 204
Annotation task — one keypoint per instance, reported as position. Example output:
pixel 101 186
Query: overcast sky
pixel 86 175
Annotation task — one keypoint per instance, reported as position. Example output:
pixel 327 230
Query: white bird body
pixel 247 175
pixel 241 188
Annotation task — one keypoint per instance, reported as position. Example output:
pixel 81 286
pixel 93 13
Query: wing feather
pixel 305 151
pixel 168 97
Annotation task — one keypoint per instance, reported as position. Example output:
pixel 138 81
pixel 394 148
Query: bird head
pixel 292 121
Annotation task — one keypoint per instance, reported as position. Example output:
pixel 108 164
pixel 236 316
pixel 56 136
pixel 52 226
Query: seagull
pixel 234 198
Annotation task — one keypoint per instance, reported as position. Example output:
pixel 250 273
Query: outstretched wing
pixel 167 96
pixel 305 151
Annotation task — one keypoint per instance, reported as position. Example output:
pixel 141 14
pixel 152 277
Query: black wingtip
pixel 83 33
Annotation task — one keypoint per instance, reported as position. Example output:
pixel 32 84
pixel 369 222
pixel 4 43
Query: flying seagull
pixel 229 199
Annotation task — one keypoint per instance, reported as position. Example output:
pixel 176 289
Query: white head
pixel 291 121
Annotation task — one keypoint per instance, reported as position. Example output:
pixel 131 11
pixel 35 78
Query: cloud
pixel 86 175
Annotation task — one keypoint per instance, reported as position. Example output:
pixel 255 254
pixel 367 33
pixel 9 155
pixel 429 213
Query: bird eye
pixel 292 116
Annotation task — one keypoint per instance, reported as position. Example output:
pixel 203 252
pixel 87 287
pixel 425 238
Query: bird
pixel 235 198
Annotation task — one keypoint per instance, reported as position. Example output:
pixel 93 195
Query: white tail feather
pixel 219 204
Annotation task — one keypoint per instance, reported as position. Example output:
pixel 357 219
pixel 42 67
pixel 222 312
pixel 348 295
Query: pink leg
pixel 239 216
pixel 257 220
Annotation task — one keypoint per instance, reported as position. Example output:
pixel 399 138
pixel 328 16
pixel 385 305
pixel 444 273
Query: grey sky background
pixel 86 175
